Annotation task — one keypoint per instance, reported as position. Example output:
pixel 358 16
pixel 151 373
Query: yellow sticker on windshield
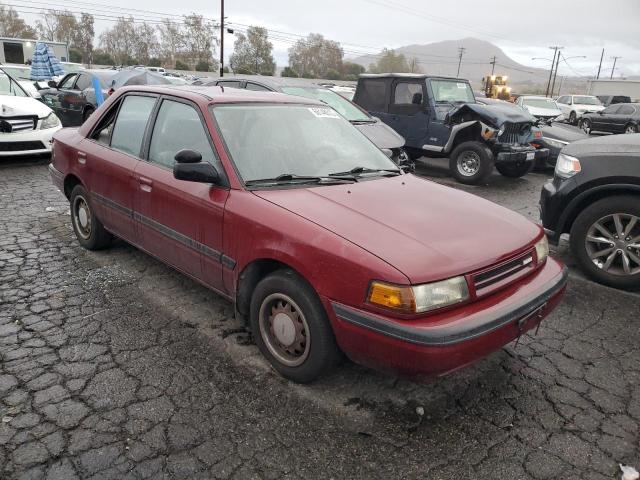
pixel 324 112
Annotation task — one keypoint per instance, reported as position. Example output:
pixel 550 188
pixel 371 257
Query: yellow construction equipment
pixel 495 86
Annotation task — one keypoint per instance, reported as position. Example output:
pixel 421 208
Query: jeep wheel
pixel 471 163
pixel 515 169
pixel 605 240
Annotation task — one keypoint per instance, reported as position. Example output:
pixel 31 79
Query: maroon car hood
pixel 425 230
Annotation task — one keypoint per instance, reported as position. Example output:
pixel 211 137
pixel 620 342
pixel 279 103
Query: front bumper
pixel 33 142
pixel 522 153
pixel 436 345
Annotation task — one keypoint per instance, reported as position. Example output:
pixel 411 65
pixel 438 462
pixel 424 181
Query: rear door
pixel 110 154
pixel 622 117
pixel 180 222
pixel 604 121
pixel 373 95
pixel 64 100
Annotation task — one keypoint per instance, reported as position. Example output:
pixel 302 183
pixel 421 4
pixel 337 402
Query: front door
pixel 66 101
pixel 180 222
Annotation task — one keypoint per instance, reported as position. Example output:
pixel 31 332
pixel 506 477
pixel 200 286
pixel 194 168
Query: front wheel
pixel 585 125
pixel 471 163
pixel 572 118
pixel 291 328
pixel 88 229
pixel 605 240
pixel 515 169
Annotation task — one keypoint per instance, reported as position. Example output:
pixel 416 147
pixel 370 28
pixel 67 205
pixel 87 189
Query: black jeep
pixel 440 117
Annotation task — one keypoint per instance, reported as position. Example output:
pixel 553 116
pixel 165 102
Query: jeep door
pixel 407 112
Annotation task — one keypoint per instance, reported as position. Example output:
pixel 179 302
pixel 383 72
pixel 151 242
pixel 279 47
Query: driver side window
pixel 67 82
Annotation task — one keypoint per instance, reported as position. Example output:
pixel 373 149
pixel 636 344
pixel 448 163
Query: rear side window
pixel 178 126
pixel 256 87
pixel 627 110
pixel 84 81
pixel 131 124
pixel 67 82
pixel 372 95
pixel 229 84
pixel 611 109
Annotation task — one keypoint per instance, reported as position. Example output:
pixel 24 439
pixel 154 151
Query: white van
pixel 159 70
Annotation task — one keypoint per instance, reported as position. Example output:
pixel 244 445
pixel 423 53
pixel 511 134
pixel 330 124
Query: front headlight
pixel 554 142
pixel 542 249
pixel 419 298
pixel 567 166
pixel 50 122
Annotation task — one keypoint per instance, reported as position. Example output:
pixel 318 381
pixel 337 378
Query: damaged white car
pixel 26 124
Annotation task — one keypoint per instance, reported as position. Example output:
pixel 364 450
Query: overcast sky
pixel 522 29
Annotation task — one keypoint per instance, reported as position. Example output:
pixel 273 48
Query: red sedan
pixel 326 248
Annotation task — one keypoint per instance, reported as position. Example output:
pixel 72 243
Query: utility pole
pixel 222 38
pixel 560 87
pixel 461 52
pixel 613 69
pixel 600 66
pixel 493 64
pixel 553 85
pixel 555 49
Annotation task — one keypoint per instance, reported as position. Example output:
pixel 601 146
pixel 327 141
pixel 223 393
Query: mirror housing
pixel 416 99
pixel 201 172
pixel 52 84
pixel 188 156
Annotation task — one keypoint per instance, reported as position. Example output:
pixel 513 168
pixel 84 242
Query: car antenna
pixel 222 88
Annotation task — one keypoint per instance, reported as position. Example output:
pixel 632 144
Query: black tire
pixel 88 229
pixel 515 169
pixel 573 118
pixel 471 163
pixel 585 125
pixel 87 113
pixel 320 353
pixel 631 128
pixel 624 204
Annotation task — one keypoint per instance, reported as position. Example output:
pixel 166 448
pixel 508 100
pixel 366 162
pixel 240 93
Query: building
pixel 601 86
pixel 19 50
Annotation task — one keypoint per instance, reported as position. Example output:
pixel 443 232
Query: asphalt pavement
pixel 115 366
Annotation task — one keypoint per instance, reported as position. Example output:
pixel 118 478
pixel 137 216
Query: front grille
pixel 515 133
pixel 18 124
pixel 21 146
pixel 498 276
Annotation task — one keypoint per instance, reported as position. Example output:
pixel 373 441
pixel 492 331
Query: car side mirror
pixel 202 172
pixel 52 84
pixel 416 99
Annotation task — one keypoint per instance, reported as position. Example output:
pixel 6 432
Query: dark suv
pixel 595 196
pixel 440 117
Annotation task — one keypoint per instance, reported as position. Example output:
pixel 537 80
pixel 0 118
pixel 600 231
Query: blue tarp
pixel 44 64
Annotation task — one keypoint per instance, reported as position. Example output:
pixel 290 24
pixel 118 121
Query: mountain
pixel 441 58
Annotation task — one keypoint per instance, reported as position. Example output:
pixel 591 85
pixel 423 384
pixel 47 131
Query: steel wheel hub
pixel 82 217
pixel 613 244
pixel 469 163
pixel 284 329
pixel 630 129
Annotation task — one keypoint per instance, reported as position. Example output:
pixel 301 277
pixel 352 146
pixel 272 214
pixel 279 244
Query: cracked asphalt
pixel 114 366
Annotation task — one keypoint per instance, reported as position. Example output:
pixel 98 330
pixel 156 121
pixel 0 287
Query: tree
pixel 253 53
pixel 119 41
pixel 391 62
pixel 11 25
pixel 203 67
pixel 289 72
pixel 350 69
pixel 146 42
pixel 154 62
pixel 333 74
pixel 83 37
pixel 200 40
pixel 172 40
pixel 181 66
pixel 57 26
pixel 100 57
pixel 75 55
pixel 314 56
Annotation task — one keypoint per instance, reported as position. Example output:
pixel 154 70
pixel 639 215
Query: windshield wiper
pixel 290 178
pixel 361 170
pixel 362 122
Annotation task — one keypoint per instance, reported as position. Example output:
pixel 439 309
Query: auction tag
pixel 531 155
pixel 323 112
pixel 461 85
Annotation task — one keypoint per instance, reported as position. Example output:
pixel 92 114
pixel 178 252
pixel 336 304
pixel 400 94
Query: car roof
pixel 215 94
pixel 409 75
pixel 535 96
pixel 274 82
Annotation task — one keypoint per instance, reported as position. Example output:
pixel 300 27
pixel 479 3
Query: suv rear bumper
pixel 515 153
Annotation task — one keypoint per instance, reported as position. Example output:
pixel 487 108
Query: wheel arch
pixel 466 133
pixel 70 182
pixel 585 199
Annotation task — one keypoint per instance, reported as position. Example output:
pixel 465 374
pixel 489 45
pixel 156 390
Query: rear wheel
pixel 631 128
pixel 87 113
pixel 471 163
pixel 291 328
pixel 585 125
pixel 88 229
pixel 515 169
pixel 605 240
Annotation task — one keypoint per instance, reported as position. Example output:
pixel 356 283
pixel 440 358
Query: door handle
pixel 82 158
pixel 146 184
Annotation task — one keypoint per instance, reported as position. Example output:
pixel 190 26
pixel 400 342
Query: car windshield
pixel 540 103
pixel 266 141
pixel 586 101
pixel 19 73
pixel 452 91
pixel 343 106
pixel 8 86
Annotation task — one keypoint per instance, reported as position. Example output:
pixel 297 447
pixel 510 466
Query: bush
pixel 242 71
pixel 308 75
pixel 154 62
pixel 181 65
pixel 202 67
pixel 332 74
pixel 75 55
pixel 101 57
pixel 289 72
